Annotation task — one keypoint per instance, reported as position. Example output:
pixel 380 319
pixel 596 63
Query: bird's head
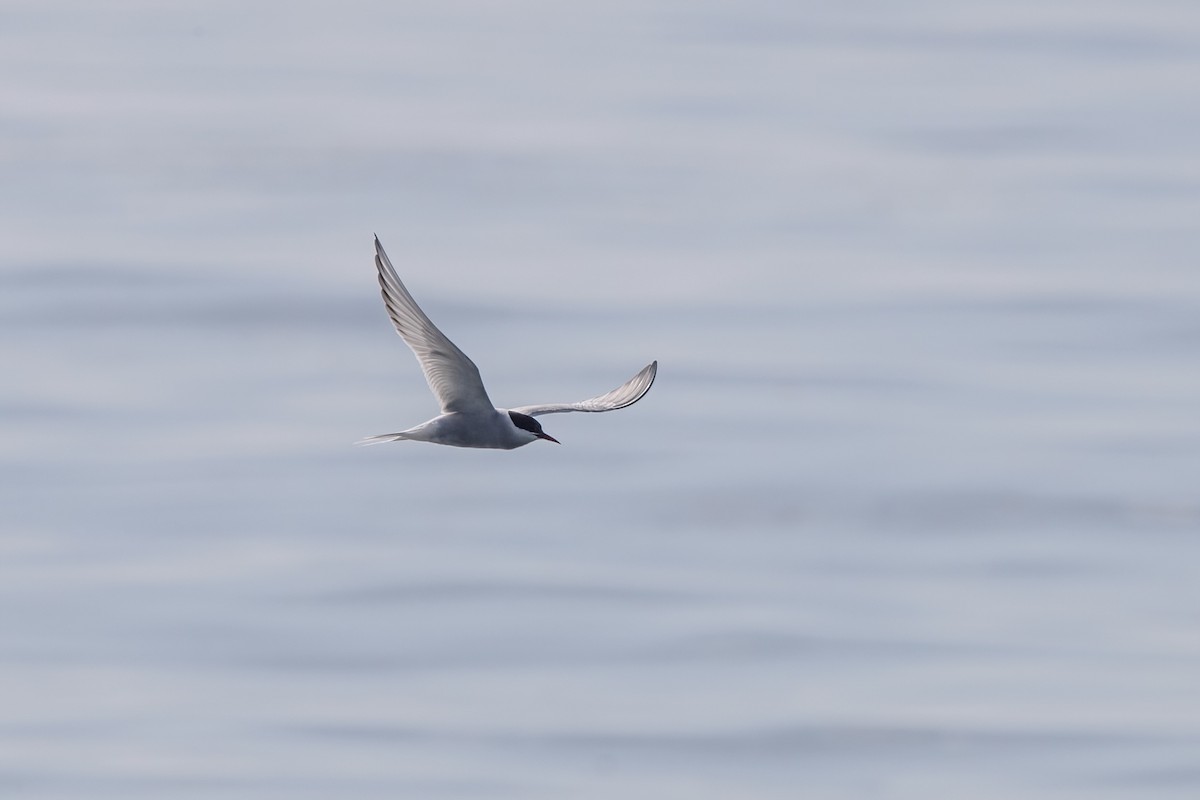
pixel 531 425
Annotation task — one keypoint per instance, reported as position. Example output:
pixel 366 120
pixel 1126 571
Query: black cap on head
pixel 525 422
pixel 528 423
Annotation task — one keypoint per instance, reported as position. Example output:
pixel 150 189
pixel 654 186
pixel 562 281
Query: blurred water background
pixel 912 511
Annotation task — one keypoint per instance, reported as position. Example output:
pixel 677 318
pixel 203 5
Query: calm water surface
pixel 911 513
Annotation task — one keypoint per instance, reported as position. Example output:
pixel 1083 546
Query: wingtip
pixel 652 370
pixel 380 256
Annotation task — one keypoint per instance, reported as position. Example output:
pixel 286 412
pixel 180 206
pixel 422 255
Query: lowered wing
pixel 624 395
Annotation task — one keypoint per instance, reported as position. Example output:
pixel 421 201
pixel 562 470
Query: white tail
pixel 381 438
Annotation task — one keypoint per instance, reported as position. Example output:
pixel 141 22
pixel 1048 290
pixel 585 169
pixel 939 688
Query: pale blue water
pixel 912 511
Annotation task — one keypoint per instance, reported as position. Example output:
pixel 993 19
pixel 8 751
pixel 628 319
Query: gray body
pixel 495 431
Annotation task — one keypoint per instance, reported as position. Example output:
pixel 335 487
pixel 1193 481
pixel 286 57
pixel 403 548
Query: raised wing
pixel 624 395
pixel 452 376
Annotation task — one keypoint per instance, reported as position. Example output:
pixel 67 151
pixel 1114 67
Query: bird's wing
pixel 452 376
pixel 624 395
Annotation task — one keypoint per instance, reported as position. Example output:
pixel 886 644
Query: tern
pixel 468 418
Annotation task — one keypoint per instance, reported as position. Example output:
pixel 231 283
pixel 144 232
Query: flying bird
pixel 468 418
